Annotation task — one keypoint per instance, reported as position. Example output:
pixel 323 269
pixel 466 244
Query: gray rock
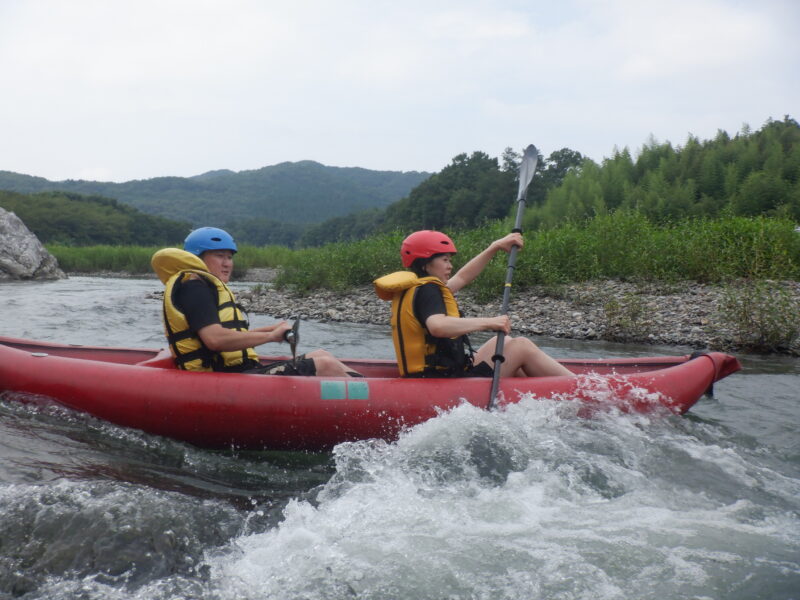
pixel 22 255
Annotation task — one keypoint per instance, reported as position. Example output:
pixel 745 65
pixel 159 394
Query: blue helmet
pixel 208 238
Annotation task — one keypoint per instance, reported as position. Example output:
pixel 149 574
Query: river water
pixel 528 503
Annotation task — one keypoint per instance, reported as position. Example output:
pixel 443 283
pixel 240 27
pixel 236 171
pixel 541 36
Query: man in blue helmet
pixel 206 328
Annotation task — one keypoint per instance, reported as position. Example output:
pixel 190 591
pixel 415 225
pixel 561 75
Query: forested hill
pixel 300 192
pixel 75 220
pixel 752 173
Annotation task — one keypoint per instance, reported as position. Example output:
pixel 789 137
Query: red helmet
pixel 424 244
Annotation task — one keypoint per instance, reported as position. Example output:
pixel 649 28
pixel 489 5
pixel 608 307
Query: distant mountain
pixel 299 193
pixel 213 174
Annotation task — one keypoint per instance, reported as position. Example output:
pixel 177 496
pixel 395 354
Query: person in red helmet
pixel 430 335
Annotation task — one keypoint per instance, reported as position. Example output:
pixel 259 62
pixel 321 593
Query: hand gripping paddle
pixel 292 337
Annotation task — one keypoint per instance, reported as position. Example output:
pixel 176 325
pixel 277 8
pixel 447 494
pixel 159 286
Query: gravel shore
pixel 683 313
pixel 679 314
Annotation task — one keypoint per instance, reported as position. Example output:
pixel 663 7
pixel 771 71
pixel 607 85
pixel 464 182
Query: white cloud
pixel 662 40
pixel 148 88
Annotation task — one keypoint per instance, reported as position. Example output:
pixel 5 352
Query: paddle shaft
pixel 292 336
pixel 527 169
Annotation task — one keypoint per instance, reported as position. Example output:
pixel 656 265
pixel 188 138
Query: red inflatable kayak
pixel 141 388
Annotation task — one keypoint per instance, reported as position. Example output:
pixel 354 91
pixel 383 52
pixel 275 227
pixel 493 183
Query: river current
pixel 528 503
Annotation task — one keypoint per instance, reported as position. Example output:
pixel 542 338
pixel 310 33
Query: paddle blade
pixel 527 168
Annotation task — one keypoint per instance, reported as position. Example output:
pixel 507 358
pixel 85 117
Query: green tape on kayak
pixel 332 390
pixel 358 390
pixel 341 390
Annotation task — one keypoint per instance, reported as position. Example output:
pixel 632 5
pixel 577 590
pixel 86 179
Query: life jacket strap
pixel 201 353
pixel 174 338
pixel 400 338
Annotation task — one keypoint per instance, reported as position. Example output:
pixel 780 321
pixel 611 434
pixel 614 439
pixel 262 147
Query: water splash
pixel 529 502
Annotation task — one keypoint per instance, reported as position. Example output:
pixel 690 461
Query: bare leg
pixel 523 359
pixel 329 366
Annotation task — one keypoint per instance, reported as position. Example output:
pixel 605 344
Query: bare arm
pixel 473 268
pixel 443 326
pixel 220 339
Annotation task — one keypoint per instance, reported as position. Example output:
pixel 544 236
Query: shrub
pixel 92 259
pixel 763 315
pixel 625 318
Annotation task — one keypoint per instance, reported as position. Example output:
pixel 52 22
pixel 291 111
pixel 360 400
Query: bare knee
pixel 327 366
pixel 535 362
pixel 324 362
pixel 522 344
pixel 516 352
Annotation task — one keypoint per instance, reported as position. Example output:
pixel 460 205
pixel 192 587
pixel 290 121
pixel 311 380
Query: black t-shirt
pixel 428 301
pixel 195 299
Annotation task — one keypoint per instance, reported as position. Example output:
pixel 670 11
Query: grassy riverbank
pixel 135 260
pixel 623 245
pixel 746 257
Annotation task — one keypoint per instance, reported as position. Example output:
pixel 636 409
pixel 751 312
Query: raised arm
pixel 475 266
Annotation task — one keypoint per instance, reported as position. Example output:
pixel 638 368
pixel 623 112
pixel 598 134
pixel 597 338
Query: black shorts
pixel 482 369
pixel 303 366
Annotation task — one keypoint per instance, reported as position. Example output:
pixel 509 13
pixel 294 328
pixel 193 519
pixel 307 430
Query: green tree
pixel 761 193
pixel 751 174
pixel 471 189
pixel 550 173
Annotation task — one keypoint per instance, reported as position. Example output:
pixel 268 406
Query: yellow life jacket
pixel 174 267
pixel 418 352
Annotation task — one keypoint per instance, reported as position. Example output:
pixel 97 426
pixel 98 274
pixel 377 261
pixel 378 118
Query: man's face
pixel 220 263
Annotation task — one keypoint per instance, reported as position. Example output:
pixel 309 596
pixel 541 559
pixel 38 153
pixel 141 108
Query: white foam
pixel 529 502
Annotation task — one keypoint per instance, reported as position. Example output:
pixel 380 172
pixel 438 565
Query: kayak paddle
pixel 526 170
pixel 292 336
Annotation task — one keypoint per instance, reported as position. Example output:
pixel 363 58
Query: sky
pixel 134 89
